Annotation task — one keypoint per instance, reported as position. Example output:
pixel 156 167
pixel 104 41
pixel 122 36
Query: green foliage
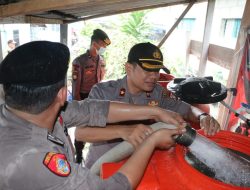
pixel 175 65
pixel 130 30
pixel 134 24
pixel 116 54
pixel 88 29
pixel 218 76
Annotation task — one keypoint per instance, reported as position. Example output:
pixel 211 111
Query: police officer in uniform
pixel 139 86
pixel 35 151
pixel 88 69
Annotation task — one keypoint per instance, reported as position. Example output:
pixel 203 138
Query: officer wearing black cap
pixel 35 151
pixel 148 56
pixel 88 69
pixel 140 87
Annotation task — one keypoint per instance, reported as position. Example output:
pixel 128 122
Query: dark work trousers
pixel 79 145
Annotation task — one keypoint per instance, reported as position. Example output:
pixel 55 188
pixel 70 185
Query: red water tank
pixel 168 170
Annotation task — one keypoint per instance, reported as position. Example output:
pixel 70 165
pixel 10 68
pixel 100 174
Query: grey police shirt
pixel 32 158
pixel 116 90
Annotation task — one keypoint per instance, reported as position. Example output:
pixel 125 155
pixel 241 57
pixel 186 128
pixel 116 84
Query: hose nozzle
pixel 187 138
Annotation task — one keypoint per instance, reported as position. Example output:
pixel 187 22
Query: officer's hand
pixel 210 125
pixel 135 134
pixel 163 138
pixel 170 117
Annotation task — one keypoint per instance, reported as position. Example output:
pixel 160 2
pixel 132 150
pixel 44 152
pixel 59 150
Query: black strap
pixel 97 63
pixel 55 140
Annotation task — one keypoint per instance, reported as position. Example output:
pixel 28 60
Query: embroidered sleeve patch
pixel 57 163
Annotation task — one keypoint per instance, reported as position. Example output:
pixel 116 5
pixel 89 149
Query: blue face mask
pixel 101 50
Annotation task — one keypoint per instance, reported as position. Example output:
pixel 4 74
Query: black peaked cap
pixel 99 34
pixel 38 63
pixel 148 56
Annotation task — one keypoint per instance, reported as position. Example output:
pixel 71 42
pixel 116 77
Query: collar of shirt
pixel 94 58
pixel 37 134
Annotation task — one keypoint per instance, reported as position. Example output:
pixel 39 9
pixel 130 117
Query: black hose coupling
pixel 187 138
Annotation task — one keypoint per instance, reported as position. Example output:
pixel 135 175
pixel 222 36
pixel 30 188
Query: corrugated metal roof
pixel 66 11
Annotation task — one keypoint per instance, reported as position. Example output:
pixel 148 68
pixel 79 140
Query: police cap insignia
pixel 107 41
pixel 57 163
pixel 157 54
pixel 37 63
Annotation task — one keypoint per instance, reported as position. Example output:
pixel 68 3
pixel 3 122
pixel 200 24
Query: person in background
pixel 35 151
pixel 88 69
pixel 140 87
pixel 11 45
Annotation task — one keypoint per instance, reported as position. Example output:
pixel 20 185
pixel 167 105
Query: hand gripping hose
pixel 123 150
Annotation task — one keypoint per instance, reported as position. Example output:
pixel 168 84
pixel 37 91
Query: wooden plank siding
pixel 220 55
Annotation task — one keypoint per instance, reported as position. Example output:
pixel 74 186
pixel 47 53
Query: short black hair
pixel 31 99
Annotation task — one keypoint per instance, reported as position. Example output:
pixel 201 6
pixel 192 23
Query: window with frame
pixel 230 27
pixel 186 24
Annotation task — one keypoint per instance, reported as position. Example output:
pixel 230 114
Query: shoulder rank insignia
pixel 122 92
pixel 153 103
pixel 75 72
pixel 60 119
pixel 57 163
pixel 165 93
pixel 74 77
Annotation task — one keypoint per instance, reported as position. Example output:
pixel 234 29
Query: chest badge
pixel 57 163
pixel 122 92
pixel 153 103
